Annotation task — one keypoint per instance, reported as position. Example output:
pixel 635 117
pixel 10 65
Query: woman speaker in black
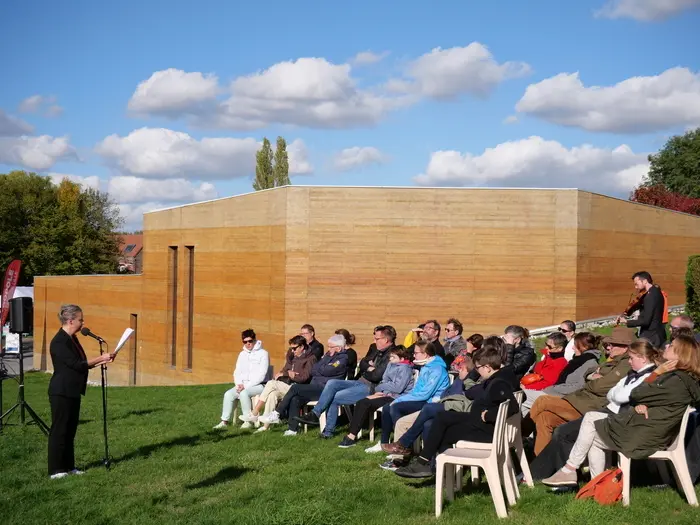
pixel 68 384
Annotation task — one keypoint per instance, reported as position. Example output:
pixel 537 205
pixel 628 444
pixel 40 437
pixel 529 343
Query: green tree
pixel 677 165
pixel 56 230
pixel 264 175
pixel 281 164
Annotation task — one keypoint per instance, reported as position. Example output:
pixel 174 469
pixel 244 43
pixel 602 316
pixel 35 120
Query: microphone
pixel 86 332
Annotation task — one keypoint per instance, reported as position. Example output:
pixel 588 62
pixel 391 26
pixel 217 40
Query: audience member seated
pixel 680 322
pixel 432 381
pixel 316 348
pixel 548 412
pixel 519 351
pixel 297 370
pixel 547 371
pixel 454 342
pixel 650 420
pixel 568 328
pixel 397 379
pixel 573 377
pixel 332 366
pixel 248 376
pixel 352 355
pixel 338 392
pixel 475 425
pixel 431 333
pixel 474 342
pixel 458 397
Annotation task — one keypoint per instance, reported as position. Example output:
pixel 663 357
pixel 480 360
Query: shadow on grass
pixel 182 441
pixel 144 412
pixel 223 476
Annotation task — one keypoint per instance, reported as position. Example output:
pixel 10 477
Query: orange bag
pixel 664 319
pixel 605 488
pixel 528 379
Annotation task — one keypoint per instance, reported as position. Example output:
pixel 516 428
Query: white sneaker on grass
pixel 221 425
pixel 262 429
pixel 375 448
pixel 270 419
pixel 59 475
pixel 290 433
pixel 248 418
pixel 247 425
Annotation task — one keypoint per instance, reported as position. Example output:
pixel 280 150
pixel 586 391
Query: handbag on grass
pixel 605 488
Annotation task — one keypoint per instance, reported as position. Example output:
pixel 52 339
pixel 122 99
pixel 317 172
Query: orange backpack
pixel 605 488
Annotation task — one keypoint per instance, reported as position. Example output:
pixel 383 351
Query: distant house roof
pixel 131 245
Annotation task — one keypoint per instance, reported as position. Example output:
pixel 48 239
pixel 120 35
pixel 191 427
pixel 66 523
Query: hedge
pixel 692 288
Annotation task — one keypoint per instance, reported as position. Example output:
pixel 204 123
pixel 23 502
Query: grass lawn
pixel 169 466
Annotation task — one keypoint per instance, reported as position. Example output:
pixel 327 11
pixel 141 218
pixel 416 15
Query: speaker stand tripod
pixel 21 402
pixel 103 369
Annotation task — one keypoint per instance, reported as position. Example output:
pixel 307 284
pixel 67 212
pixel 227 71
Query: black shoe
pixel 308 419
pixel 347 442
pixel 415 470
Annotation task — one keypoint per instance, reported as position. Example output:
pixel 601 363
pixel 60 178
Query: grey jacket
pixel 576 380
pixel 397 379
pixel 455 347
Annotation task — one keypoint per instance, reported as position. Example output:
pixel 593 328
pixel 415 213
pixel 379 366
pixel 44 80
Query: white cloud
pixel 133 213
pixel 313 92
pixel 446 73
pixel 166 154
pixel 635 105
pixel 88 182
pixel 128 189
pixel 163 153
pixel 511 119
pixel 172 90
pixel 13 127
pixel 645 10
pixel 298 158
pixel 35 103
pixel 536 162
pixel 357 157
pixel 368 57
pixel 37 153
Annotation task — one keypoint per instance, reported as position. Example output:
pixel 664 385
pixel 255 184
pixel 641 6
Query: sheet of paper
pixel 125 337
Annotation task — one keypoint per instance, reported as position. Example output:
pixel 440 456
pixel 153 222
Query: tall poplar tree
pixel 264 175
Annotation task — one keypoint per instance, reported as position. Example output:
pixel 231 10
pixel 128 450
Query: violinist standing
pixel 651 310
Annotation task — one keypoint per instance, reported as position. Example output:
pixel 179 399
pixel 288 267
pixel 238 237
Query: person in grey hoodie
pixel 573 377
pixel 397 379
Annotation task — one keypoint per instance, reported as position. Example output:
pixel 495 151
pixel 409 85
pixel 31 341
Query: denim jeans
pixel 394 412
pixel 336 393
pixel 422 424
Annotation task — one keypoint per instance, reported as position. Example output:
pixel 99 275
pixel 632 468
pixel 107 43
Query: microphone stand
pixel 103 370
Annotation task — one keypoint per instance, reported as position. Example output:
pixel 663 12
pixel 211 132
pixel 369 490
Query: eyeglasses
pixel 563 329
pixel 247 341
pixel 551 347
pixel 295 348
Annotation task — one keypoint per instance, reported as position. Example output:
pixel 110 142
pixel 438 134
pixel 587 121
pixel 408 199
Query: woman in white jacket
pixel 643 360
pixel 249 376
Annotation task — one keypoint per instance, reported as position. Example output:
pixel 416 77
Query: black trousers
pixel 363 408
pixel 450 427
pixel 295 399
pixel 65 414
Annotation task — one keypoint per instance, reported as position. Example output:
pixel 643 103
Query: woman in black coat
pixel 67 385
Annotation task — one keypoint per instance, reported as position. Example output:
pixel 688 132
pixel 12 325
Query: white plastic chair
pixel 675 453
pixel 492 457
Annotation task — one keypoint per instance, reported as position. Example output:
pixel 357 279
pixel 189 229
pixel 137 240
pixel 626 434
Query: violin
pixel 634 304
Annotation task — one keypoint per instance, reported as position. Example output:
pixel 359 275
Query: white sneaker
pixel 59 475
pixel 248 418
pixel 76 472
pixel 261 429
pixel 375 448
pixel 290 433
pixel 221 425
pixel 272 418
pixel 247 425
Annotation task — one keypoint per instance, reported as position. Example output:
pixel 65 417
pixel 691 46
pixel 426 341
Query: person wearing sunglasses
pixel 250 374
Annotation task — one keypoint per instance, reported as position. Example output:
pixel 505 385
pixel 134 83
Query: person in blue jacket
pixel 433 380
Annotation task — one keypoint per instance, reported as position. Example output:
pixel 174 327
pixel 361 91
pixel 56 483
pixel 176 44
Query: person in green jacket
pixel 651 420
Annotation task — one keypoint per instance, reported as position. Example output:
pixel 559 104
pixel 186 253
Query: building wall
pixel 359 257
pixel 618 238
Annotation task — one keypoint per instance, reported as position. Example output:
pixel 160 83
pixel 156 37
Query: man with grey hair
pixel 67 385
pixel 682 321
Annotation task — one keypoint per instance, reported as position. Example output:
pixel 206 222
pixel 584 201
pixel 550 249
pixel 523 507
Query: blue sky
pixel 469 93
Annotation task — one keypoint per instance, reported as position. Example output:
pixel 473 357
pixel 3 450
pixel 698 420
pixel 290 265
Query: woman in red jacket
pixel 546 371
